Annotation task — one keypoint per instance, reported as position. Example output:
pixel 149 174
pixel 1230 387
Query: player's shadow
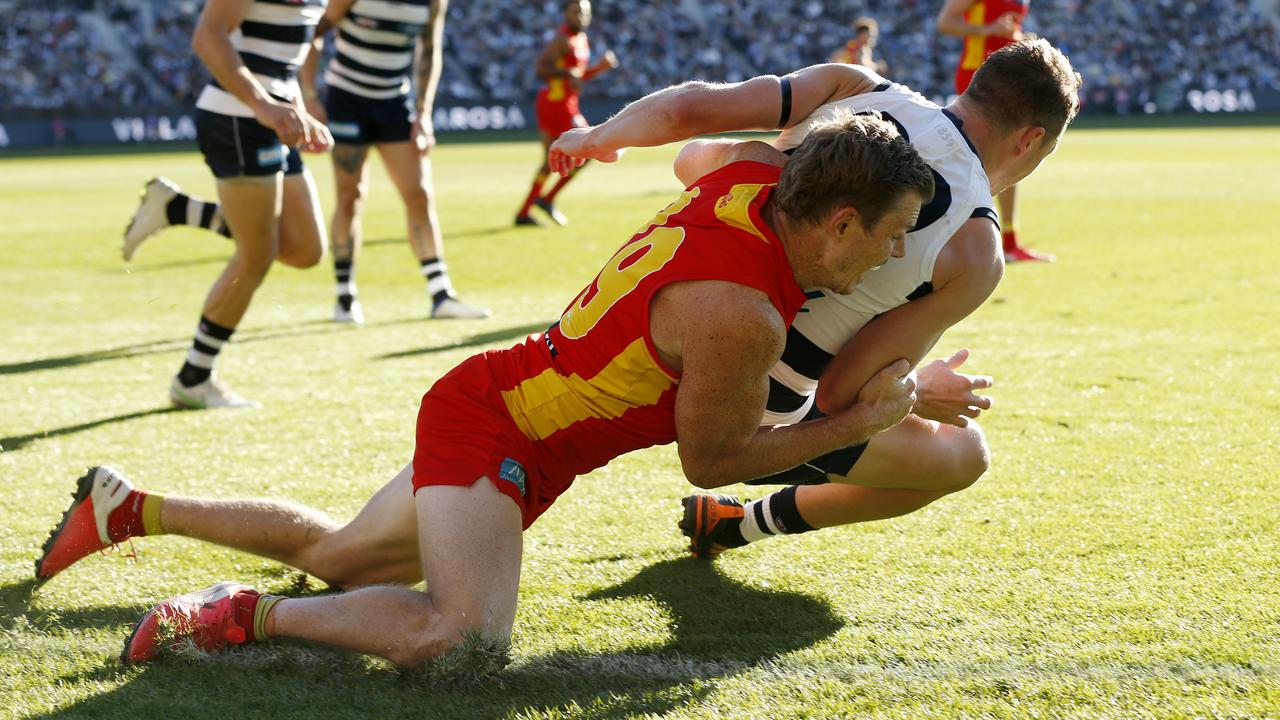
pixel 719 628
pixel 140 268
pixel 486 338
pixel 172 345
pixel 17 442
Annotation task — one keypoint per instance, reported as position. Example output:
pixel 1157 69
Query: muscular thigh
pixel 251 207
pixel 301 225
pixel 381 543
pixel 408 168
pixel 915 454
pixel 470 540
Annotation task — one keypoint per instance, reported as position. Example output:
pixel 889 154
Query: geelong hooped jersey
pixel 962 191
pixel 575 57
pixel 272 41
pixel 375 46
pixel 982 12
pixel 592 387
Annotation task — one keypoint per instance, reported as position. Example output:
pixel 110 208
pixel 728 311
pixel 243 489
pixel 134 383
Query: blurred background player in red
pixel 859 49
pixel 563 65
pixel 987 26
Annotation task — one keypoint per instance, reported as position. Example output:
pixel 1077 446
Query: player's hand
pixel 1008 26
pixel 947 396
pixel 315 108
pixel 575 147
pixel 285 120
pixel 424 133
pixel 889 395
pixel 319 138
pixel 609 60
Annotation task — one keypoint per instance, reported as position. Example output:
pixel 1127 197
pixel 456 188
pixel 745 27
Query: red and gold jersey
pixel 558 89
pixel 982 12
pixel 592 387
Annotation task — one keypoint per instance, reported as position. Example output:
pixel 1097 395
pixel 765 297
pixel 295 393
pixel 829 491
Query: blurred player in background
pixel 563 65
pixel 250 122
pixel 370 100
pixel 987 26
pixel 859 50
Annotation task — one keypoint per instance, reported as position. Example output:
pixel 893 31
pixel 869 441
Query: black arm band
pixel 786 103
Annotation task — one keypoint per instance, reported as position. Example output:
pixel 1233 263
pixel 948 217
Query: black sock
pixel 186 210
pixel 209 339
pixel 343 270
pixel 437 275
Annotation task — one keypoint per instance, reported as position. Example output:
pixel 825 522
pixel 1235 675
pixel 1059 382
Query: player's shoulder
pixel 761 163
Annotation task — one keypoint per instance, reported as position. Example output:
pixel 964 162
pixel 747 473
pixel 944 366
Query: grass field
pixel 1119 560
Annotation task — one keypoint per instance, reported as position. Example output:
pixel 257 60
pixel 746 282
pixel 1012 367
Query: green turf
pixel 1119 560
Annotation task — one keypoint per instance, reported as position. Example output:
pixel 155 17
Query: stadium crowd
pixel 1132 55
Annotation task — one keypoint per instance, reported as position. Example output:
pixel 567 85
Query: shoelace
pixel 114 548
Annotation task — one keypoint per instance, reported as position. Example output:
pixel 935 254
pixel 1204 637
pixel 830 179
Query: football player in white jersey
pixel 992 136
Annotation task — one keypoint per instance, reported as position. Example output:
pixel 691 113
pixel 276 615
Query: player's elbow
pixel 685 108
pixel 831 399
pixel 701 470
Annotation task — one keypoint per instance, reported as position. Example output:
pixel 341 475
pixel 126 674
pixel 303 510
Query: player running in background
pixel 987 26
pixel 671 342
pixel 563 65
pixel 250 122
pixel 995 134
pixel 371 100
pixel 859 50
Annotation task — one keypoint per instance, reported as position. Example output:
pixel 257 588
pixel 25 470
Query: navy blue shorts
pixel 356 120
pixel 239 147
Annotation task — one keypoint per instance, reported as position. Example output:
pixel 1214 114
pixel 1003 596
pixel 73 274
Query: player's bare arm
pixel 310 68
pixel 951 21
pixel 211 41
pixel 700 108
pixel 965 274
pixel 700 157
pixel 428 61
pixel 607 62
pixel 724 351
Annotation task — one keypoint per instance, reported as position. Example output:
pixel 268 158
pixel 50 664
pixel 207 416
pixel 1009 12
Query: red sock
pixel 534 192
pixel 126 521
pixel 560 184
pixel 1010 239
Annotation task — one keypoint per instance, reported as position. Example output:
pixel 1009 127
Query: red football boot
pixel 204 621
pixel 106 510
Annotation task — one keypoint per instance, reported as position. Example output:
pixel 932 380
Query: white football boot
pixel 151 216
pixel 453 308
pixel 208 395
pixel 355 315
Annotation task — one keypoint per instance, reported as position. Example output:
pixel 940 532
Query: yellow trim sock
pixel 260 613
pixel 151 514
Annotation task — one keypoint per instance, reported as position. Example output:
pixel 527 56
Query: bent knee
pixel 440 634
pixel 970 457
pixel 302 258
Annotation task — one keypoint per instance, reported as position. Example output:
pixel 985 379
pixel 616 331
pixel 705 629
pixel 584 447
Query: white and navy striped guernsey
pixel 272 40
pixel 829 319
pixel 375 47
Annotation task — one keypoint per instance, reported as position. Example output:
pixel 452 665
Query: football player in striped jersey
pixel 250 124
pixel 380 90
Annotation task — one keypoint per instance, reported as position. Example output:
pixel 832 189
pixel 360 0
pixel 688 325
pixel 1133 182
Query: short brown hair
pixel 1029 82
pixel 858 161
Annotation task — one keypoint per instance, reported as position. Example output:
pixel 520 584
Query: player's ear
pixel 844 221
pixel 1028 138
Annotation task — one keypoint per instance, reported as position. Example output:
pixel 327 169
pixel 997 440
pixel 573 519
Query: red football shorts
pixel 557 116
pixel 465 433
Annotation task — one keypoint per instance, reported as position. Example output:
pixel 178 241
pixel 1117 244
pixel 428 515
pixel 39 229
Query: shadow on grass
pixel 507 333
pixel 174 345
pixel 719 627
pixel 17 442
pixel 171 265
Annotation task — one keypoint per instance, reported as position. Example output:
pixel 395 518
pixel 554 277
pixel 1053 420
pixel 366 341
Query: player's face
pixel 578 15
pixel 862 250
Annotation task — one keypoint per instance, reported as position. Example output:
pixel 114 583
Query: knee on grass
pixel 454 644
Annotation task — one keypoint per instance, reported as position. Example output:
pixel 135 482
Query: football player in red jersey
pixel 987 26
pixel 671 342
pixel 859 50
pixel 563 65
